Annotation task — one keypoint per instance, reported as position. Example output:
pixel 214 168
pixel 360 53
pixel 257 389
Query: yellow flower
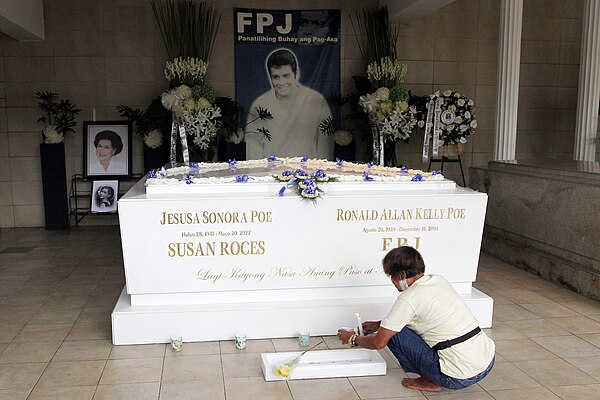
pixel 284 370
pixel 386 107
pixel 402 105
pixel 204 103
pixel 189 104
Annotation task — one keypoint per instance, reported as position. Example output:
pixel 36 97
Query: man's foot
pixel 421 383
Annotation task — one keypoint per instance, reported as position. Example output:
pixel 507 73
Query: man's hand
pixel 345 335
pixel 370 327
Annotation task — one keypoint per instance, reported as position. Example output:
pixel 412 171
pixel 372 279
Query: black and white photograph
pixel 107 148
pixel 104 196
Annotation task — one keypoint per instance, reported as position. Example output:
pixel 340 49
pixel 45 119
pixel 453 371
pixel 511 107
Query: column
pixel 507 85
pixel 589 84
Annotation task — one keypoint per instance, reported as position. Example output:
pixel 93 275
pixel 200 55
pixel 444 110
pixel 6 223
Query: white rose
pixel 473 124
pixel 458 120
pixel 450 127
pixel 382 94
pixel 470 102
pixel 452 108
pixel 447 93
pixel 463 140
pixel 421 123
pixel 463 128
pixel 460 102
pixel 467 115
pixel 183 92
pixel 457 95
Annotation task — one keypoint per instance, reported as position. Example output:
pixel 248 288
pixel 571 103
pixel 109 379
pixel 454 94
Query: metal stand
pixel 445 159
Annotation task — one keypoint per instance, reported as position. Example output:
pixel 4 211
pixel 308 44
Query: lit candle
pixel 359 322
pixel 94 115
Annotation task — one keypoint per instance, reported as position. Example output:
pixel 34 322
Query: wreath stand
pixel 446 159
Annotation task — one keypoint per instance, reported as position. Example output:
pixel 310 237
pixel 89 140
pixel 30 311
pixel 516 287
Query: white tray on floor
pixel 326 364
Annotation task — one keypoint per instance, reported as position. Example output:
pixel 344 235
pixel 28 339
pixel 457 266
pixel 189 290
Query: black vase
pixel 156 158
pixel 54 183
pixel 346 153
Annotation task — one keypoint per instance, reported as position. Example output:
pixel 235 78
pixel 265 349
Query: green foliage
pixel 350 114
pixel 327 126
pixel 58 112
pixel 208 92
pixel 230 111
pixel 398 93
pixel 259 113
pixel 188 27
pixel 375 35
pixel 156 116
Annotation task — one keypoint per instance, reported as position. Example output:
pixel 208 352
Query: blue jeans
pixel 417 357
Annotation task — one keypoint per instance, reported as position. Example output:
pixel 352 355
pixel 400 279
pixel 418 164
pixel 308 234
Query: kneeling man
pixel 429 329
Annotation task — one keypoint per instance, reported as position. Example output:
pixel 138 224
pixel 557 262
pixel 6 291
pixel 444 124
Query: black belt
pixel 448 343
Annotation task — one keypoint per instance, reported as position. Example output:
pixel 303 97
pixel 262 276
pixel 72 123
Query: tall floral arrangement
pixel 58 116
pixel 383 98
pixel 193 106
pixel 189 28
pixel 391 117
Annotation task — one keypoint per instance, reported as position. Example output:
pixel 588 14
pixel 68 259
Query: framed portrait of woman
pixel 104 196
pixel 107 149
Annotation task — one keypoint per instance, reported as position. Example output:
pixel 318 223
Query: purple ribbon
pixel 282 190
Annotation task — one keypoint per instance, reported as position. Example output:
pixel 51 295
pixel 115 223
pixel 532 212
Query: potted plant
pixel 343 128
pixel 153 125
pixel 58 118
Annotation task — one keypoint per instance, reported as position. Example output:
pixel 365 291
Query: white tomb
pixel 207 261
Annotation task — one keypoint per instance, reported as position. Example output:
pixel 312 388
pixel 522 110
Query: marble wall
pixel 102 54
pixel 542 216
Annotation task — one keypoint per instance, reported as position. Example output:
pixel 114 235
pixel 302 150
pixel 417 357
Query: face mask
pixel 403 284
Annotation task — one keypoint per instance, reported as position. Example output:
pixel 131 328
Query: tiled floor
pixel 57 291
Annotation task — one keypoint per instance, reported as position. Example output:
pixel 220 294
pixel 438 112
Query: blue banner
pixel 287 64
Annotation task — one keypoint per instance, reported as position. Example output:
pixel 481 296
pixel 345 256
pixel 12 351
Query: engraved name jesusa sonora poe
pixel 216 217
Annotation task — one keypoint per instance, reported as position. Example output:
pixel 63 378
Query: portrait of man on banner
pixel 287 62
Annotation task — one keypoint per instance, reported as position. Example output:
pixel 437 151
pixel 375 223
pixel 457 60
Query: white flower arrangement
pixel 462 121
pixel 386 73
pixel 200 117
pixel 201 121
pixel 153 139
pixel 193 106
pixel 395 119
pixel 342 138
pixel 389 103
pixel 399 124
pixel 51 135
pixel 188 70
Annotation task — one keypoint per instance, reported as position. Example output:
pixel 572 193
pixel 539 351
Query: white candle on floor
pixel 359 322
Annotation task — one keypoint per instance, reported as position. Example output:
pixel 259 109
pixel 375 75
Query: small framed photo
pixel 104 196
pixel 107 149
